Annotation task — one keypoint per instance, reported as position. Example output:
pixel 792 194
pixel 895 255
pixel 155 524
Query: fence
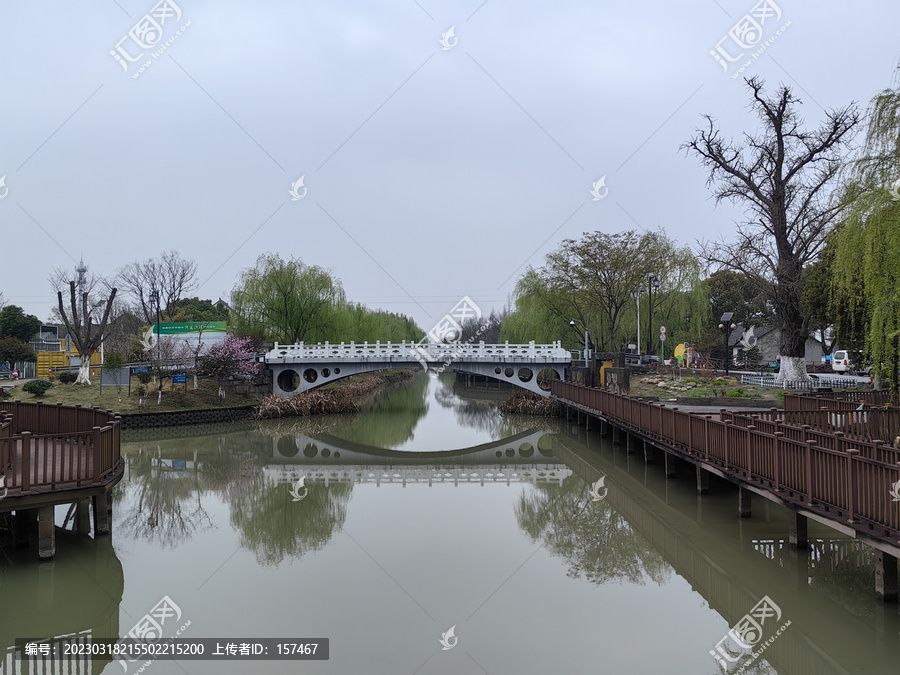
pixel 764 381
pixel 850 480
pixel 49 446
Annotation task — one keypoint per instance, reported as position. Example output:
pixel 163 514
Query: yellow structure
pixel 48 360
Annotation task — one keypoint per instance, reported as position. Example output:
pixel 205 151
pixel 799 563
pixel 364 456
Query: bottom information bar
pixel 214 649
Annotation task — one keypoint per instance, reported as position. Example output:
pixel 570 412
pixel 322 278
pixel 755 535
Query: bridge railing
pixel 45 446
pixel 851 479
pixel 411 351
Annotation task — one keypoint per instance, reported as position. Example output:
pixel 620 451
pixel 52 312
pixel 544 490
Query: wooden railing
pixel 844 400
pixel 56 446
pixel 849 479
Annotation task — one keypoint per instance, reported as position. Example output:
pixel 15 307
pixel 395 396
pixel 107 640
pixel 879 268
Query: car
pixel 845 361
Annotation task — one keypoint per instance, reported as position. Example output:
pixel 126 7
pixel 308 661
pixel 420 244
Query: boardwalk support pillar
pixel 101 514
pixel 886 577
pixel 632 442
pixel 744 502
pixel 798 531
pixel 648 453
pixel 670 465
pixel 83 516
pixel 702 481
pixel 46 533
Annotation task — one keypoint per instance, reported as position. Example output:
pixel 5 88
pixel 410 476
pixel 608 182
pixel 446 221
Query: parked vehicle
pixel 845 361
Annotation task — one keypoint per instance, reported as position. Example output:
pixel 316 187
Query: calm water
pixel 433 511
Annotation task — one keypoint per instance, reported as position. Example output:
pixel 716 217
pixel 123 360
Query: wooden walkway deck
pixel 846 480
pixel 53 455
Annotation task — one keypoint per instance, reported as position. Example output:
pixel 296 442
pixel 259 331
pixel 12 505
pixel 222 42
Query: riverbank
pixel 343 396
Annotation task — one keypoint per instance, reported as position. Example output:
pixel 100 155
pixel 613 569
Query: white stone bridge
pixel 298 368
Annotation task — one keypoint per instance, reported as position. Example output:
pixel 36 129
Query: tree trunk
pixel 84 370
pixel 196 385
pixel 793 341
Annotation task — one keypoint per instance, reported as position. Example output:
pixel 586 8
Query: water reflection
pixel 594 539
pixel 76 596
pixel 837 625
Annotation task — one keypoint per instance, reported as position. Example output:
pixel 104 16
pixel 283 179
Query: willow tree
pixel 285 301
pixel 782 175
pixel 867 242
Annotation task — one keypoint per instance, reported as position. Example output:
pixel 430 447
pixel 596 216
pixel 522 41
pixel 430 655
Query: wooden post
pixel 702 481
pixel 102 522
pixel 96 453
pixel 648 453
pixel 744 502
pixel 26 461
pixel 46 533
pixel 851 485
pixel 798 536
pixel 670 465
pixel 885 577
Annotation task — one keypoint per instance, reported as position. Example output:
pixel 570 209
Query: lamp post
pixel 652 285
pixel 586 355
pixel 727 326
pixel 154 297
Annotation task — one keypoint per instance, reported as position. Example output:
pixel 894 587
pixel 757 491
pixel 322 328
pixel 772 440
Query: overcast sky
pixel 431 170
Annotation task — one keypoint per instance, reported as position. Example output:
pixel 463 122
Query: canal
pixel 433 535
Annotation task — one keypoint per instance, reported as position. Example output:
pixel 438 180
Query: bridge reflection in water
pixel 837 625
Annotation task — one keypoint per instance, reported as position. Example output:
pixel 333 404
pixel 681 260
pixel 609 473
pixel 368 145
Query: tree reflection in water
pixel 275 527
pixel 592 537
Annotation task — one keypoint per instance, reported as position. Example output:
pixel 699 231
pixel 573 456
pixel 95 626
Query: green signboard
pixel 189 328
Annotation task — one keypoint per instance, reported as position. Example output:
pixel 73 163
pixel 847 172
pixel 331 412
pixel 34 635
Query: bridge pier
pixel 702 481
pixel 886 588
pixel 617 435
pixel 604 428
pixel 46 533
pixel 648 453
pixel 632 442
pixel 798 527
pixel 744 502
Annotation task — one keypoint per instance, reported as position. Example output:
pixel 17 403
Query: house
pixel 767 339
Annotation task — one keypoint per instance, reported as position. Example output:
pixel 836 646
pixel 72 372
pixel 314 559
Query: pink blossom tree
pixel 232 357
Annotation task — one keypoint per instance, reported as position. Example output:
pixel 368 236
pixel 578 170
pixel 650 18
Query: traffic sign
pixel 662 329
pixel 662 337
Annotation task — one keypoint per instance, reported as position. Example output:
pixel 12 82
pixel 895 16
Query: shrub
pixel 66 377
pixel 739 393
pixel 37 387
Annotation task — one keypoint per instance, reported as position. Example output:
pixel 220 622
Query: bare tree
pixel 171 276
pixel 86 335
pixel 782 175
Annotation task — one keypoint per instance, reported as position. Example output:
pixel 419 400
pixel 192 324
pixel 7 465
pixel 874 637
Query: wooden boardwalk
pixel 53 455
pixel 834 472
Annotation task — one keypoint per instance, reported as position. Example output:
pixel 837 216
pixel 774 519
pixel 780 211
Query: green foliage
pixel 738 393
pixel 593 281
pixel 66 377
pixel 114 360
pixel 195 309
pixel 867 243
pixel 37 388
pixel 287 301
pixel 144 377
pixel 14 322
pixel 12 349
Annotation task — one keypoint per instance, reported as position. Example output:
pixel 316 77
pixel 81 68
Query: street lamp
pixel 652 285
pixel 727 327
pixel 572 324
pixel 154 297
